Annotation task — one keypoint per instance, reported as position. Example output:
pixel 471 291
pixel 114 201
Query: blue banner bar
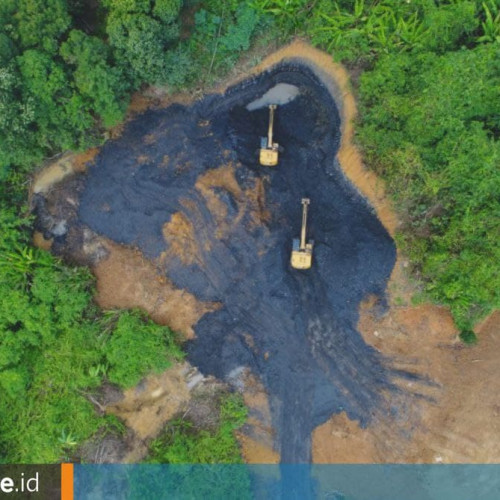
pixel 288 482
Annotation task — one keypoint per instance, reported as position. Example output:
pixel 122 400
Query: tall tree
pixel 141 32
pixel 101 84
pixel 41 23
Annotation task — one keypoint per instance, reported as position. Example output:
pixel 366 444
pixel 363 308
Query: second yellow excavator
pixel 268 149
pixel 301 251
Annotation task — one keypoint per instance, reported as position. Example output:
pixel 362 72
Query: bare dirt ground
pixel 64 166
pixel 257 436
pixel 459 423
pixel 453 414
pixel 157 399
pixel 179 392
pixel 126 280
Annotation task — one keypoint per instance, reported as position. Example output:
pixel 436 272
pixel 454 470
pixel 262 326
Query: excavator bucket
pixel 301 251
pixel 268 155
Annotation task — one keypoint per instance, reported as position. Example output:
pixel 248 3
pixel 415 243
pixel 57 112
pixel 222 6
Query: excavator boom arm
pixel 305 204
pixel 301 257
pixel 272 107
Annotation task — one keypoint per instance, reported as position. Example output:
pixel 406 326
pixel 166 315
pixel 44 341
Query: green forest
pixel 428 88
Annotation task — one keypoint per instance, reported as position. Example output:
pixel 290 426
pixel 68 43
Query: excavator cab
pixel 268 149
pixel 302 251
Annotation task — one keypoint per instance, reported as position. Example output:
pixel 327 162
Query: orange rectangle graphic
pixel 67 482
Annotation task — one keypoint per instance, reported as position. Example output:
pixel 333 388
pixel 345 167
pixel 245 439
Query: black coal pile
pixel 305 346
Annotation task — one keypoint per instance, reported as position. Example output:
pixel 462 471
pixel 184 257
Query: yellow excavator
pixel 302 252
pixel 268 149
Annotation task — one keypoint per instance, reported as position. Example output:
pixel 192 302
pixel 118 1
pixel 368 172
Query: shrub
pixel 468 337
pixel 181 443
pixel 137 346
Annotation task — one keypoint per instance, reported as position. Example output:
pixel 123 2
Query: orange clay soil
pixel 257 436
pixel 147 407
pixel 251 200
pixel 181 239
pixel 62 167
pixel 461 425
pixel 178 232
pixel 222 177
pixel 125 279
pixel 40 242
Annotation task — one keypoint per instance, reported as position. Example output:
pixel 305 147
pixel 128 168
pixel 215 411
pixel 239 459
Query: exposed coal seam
pixel 309 355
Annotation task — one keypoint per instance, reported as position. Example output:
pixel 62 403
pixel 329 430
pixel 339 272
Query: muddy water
pixel 280 94
pixel 305 347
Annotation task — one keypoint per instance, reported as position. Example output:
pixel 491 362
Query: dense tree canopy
pixel 141 32
pixel 41 24
pixel 102 86
pixel 430 127
pixel 66 71
pixel 58 84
